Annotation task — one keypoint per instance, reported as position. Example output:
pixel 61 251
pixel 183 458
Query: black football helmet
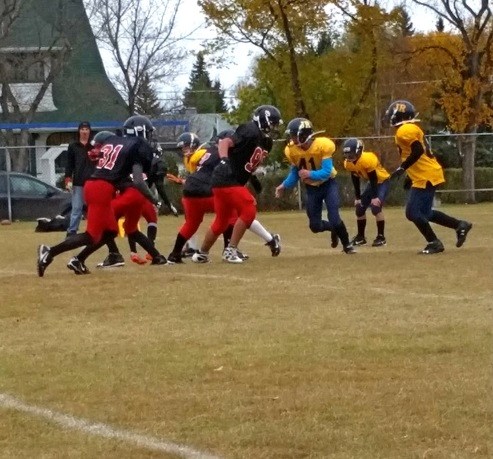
pixel 188 140
pixel 267 118
pixel 225 133
pixel 400 111
pixel 352 149
pixel 299 130
pixel 138 126
pixel 101 137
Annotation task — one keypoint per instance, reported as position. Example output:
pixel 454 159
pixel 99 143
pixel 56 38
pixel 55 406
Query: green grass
pixel 384 354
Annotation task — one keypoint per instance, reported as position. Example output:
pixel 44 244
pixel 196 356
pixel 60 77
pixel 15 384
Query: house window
pixel 25 67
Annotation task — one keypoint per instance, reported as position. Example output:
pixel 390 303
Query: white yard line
pixel 102 430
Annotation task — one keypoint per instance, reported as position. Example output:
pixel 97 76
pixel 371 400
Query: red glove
pixel 94 153
pixel 68 183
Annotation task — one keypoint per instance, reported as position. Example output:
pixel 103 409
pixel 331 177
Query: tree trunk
pixel 20 154
pixel 468 160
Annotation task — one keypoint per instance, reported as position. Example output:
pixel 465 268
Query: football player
pixel 366 165
pixel 425 174
pixel 311 162
pixel 149 212
pixel 120 157
pixel 198 198
pixel 240 155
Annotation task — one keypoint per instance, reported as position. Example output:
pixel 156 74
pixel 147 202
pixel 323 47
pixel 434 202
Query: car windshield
pixel 26 186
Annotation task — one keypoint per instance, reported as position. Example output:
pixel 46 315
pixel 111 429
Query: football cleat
pixel 379 241
pixel 113 260
pixel 275 245
pixel 44 259
pixel 188 252
pixel 435 246
pixel 77 266
pixel 358 240
pixel 159 260
pixel 230 255
pixel 462 230
pixel 200 257
pixel 175 258
pixel 349 249
pixel 243 256
pixel 136 258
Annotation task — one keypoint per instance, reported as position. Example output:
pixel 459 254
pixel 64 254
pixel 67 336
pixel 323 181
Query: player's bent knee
pixel 360 211
pixel 375 210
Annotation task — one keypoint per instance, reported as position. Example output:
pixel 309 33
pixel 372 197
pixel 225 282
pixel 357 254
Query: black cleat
pixel 44 259
pixel 433 247
pixel 159 260
pixel 113 260
pixel 175 258
pixel 462 230
pixel 77 266
pixel 379 241
pixel 275 245
pixel 358 240
pixel 349 249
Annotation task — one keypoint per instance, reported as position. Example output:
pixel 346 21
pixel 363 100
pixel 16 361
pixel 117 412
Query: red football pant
pixel 149 212
pixel 231 203
pixel 98 195
pixel 129 204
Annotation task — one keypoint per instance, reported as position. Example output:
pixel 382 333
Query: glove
pixel 397 173
pixel 94 154
pixel 174 178
pixel 68 184
pixel 173 209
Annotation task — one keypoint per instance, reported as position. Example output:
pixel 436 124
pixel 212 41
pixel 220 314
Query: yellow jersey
pixel 192 161
pixel 426 168
pixel 311 159
pixel 367 162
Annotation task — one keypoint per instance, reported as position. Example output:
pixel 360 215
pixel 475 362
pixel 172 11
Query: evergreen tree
pixel 201 93
pixel 440 26
pixel 146 100
pixel 405 23
pixel 324 44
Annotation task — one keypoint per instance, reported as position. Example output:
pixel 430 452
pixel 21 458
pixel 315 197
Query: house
pixel 42 36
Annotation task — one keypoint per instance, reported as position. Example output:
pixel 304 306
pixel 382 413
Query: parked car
pixel 31 198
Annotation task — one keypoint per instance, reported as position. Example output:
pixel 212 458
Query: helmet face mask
pixel 399 112
pixel 299 130
pixel 138 126
pixel 188 142
pixel 352 149
pixel 267 118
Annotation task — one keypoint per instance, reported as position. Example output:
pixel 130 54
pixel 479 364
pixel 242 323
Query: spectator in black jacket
pixel 79 169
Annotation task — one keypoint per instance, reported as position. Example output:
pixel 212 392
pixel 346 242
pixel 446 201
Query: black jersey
pixel 158 171
pixel 119 154
pixel 250 148
pixel 199 183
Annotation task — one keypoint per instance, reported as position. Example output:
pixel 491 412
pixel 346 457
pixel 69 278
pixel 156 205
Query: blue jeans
pixel 77 209
pixel 328 192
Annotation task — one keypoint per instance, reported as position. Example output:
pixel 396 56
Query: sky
pixel 238 68
pixel 422 19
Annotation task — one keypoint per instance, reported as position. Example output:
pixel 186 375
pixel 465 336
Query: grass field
pixel 314 354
